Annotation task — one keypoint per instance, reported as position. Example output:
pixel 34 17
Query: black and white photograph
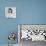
pixel 29 34
pixel 10 12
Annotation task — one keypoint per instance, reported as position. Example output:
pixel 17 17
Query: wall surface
pixel 27 12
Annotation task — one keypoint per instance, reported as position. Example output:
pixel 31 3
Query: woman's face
pixel 10 10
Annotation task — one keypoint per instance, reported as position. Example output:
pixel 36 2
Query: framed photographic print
pixel 33 32
pixel 10 12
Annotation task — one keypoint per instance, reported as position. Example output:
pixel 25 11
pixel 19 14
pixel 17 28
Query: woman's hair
pixel 9 10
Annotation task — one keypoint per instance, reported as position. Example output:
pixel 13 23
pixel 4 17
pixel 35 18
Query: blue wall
pixel 28 12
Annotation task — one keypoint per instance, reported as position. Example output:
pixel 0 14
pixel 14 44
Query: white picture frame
pixel 31 27
pixel 10 12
